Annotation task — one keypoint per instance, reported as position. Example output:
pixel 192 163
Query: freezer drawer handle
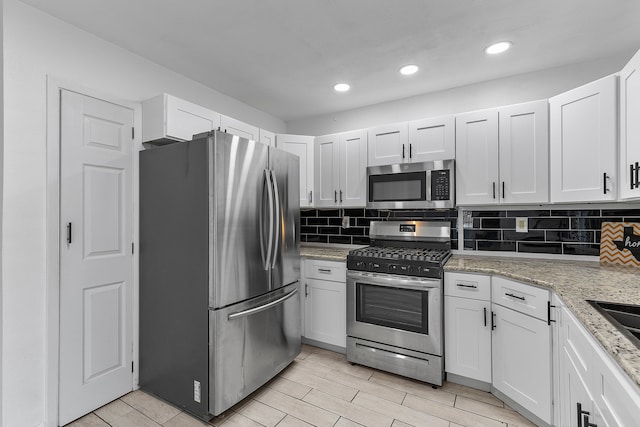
pixel 260 308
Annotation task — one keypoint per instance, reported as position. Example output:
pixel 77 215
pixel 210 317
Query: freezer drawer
pixel 250 343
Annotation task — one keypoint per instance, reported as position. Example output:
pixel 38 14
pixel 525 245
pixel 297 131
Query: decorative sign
pixel 620 243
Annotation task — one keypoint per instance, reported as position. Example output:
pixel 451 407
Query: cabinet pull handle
pixel 637 169
pixel 503 189
pixel 324 270
pixel 494 189
pixel 515 296
pixel 549 306
pixel 340 196
pixel 68 233
pixel 485 316
pixel 335 196
pixel 403 151
pixel 604 182
pixel 464 285
pixel 493 321
pixel 410 154
pixel 310 196
pixel 632 174
pixel 306 290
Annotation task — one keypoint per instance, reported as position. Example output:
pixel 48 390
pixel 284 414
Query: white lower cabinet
pixel 467 309
pixel 325 302
pixel 592 391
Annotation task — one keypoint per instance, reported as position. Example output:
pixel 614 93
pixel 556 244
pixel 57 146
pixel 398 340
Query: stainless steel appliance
pixel 395 299
pixel 412 185
pixel 219 269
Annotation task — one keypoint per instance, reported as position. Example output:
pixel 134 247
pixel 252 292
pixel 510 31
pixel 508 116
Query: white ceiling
pixel 283 56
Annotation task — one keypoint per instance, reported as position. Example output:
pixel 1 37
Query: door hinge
pixel 133 133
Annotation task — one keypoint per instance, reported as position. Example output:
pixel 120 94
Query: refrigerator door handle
pixel 276 239
pixel 263 307
pixel 267 183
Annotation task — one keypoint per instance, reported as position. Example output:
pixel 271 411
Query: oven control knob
pixel 409 269
pixel 392 268
pixel 361 264
pixel 419 269
pixel 370 266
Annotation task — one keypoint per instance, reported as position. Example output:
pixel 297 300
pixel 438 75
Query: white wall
pixel 37 45
pixel 522 88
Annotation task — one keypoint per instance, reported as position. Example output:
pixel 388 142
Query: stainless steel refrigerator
pixel 219 269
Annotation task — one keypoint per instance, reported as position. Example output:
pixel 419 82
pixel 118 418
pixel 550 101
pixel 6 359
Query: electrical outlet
pixel 346 221
pixel 196 391
pixel 522 225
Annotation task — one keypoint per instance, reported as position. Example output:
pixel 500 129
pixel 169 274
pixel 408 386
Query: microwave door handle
pixel 276 219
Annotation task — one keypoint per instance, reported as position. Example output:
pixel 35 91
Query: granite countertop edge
pixel 574 282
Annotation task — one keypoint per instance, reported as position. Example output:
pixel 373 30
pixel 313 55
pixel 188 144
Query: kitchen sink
pixel 625 317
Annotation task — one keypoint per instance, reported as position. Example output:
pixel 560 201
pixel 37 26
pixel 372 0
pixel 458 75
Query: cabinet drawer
pixel 326 270
pixel 526 299
pixel 467 285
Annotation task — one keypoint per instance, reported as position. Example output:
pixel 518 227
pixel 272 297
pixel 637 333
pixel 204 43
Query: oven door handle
pixel 394 281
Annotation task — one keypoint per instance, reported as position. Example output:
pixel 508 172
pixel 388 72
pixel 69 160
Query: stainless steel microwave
pixel 426 185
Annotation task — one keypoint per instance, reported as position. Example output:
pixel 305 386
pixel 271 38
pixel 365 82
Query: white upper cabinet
pixel 583 130
pixel 502 155
pixel 432 139
pixel 268 138
pixel 301 146
pixel 524 152
pixel 167 118
pixel 242 129
pixel 630 129
pixel 477 158
pixel 388 144
pixel 340 163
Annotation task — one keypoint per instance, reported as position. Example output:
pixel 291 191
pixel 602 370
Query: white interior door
pixel 96 262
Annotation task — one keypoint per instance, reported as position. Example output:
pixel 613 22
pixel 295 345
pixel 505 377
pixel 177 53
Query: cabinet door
pixel 236 127
pixel 524 153
pixel 467 330
pixel 326 312
pixel 630 129
pixel 388 144
pixel 522 360
pixel 327 170
pixel 432 139
pixel 477 158
pixel 583 129
pixel 301 146
pixel 574 395
pixel 353 165
pixel 268 138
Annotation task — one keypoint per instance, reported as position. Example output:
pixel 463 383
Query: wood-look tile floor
pixel 320 388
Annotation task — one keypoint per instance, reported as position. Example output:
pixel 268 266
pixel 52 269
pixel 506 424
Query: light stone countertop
pixel 574 282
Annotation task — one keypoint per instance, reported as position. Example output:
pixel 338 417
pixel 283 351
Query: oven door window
pixel 405 309
pixel 405 187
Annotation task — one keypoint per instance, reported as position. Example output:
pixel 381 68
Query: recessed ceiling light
pixel 407 70
pixel 341 87
pixel 497 48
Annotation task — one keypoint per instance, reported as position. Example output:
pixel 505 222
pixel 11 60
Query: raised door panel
pixel 468 338
pixel 575 396
pixel 522 360
pixel 325 311
pixel 630 129
pixel 242 129
pixel 432 139
pixel 583 132
pixel 327 170
pixel 268 138
pixel 477 158
pixel 301 146
pixel 388 144
pixel 524 153
pixel 353 165
pixel 185 119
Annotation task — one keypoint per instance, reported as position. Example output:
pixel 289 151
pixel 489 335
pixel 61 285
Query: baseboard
pixel 320 344
pixel 469 382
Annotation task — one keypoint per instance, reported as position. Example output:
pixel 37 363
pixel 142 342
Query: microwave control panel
pixel 440 184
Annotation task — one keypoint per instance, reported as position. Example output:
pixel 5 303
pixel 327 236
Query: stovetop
pixel 398 253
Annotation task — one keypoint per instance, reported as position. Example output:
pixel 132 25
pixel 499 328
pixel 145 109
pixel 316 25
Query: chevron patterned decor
pixel 620 243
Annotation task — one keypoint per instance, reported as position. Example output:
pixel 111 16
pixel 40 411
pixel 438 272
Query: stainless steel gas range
pixel 395 299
